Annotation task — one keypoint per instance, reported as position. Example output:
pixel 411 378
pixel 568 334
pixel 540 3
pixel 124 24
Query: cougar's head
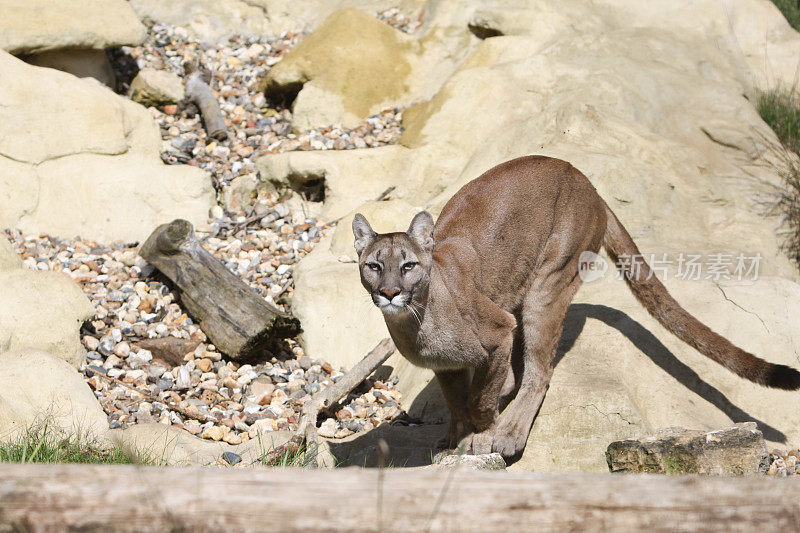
pixel 395 267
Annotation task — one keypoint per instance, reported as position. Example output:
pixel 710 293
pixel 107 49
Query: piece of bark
pixel 200 93
pixel 170 349
pixel 239 322
pixel 307 425
pixel 62 497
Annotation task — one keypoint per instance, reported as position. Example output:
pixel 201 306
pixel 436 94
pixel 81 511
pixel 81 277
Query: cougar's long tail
pixel 652 294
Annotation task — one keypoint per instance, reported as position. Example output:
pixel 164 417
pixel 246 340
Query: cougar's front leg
pixel 483 403
pixel 455 387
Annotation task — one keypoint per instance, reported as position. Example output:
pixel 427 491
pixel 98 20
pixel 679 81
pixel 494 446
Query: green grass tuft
pixel 781 110
pixel 39 444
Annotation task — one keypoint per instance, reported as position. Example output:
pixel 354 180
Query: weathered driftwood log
pixel 200 93
pixel 307 426
pixel 239 322
pixel 130 498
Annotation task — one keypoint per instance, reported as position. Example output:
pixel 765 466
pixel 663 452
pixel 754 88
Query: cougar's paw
pixel 509 444
pixel 482 442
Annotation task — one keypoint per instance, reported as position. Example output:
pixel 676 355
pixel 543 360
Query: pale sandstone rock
pixel 8 257
pixel 214 19
pixel 77 159
pixel 355 63
pixel 351 177
pixel 156 87
pixel 486 461
pixel 353 66
pixel 39 388
pixel 42 310
pixel 647 100
pixel 169 445
pixel 208 20
pixel 39 25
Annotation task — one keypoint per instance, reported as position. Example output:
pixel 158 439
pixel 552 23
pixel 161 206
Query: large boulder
pixel 354 65
pixel 42 310
pixel 653 102
pixel 40 25
pixel 77 159
pixel 212 20
pixel 69 36
pixel 208 20
pixel 37 389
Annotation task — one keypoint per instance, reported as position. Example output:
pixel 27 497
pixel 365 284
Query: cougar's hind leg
pixel 543 314
pixel 455 387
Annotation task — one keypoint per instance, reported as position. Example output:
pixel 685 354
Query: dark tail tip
pixel 783 377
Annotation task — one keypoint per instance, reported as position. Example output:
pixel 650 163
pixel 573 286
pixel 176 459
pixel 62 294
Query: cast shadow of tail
pixel 660 355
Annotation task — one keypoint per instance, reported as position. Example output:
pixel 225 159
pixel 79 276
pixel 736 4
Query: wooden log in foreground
pixel 239 322
pixel 131 498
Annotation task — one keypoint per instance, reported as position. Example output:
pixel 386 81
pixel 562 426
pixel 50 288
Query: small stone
pixel 216 212
pixel 328 428
pixel 153 87
pixel 232 458
pixel 183 380
pixel 122 349
pixel 203 364
pixel 91 343
pixel 193 427
pixel 232 438
pixel 489 461
pixel 106 346
pixel 215 433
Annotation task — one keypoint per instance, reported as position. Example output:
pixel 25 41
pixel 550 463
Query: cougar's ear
pixel 421 230
pixel 363 233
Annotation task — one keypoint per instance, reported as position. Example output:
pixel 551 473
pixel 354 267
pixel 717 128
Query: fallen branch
pixel 61 497
pixel 307 425
pixel 200 93
pixel 239 322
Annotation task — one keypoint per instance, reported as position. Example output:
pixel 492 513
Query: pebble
pixel 784 464
pixel 231 458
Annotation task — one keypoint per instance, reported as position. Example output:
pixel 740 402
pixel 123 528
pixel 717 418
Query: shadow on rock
pixel 645 341
pixel 408 446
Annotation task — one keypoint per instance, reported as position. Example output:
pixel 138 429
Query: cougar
pixel 495 275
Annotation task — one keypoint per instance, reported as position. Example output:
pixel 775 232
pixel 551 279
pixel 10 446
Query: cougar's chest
pixel 440 341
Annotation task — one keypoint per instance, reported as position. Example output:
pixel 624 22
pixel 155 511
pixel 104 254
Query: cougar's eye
pixel 375 267
pixel 408 267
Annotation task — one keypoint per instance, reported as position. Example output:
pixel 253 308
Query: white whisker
pixel 414 312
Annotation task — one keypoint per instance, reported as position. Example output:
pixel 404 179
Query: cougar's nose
pixel 390 293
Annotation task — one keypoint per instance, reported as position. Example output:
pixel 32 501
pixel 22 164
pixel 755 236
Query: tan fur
pixel 495 276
